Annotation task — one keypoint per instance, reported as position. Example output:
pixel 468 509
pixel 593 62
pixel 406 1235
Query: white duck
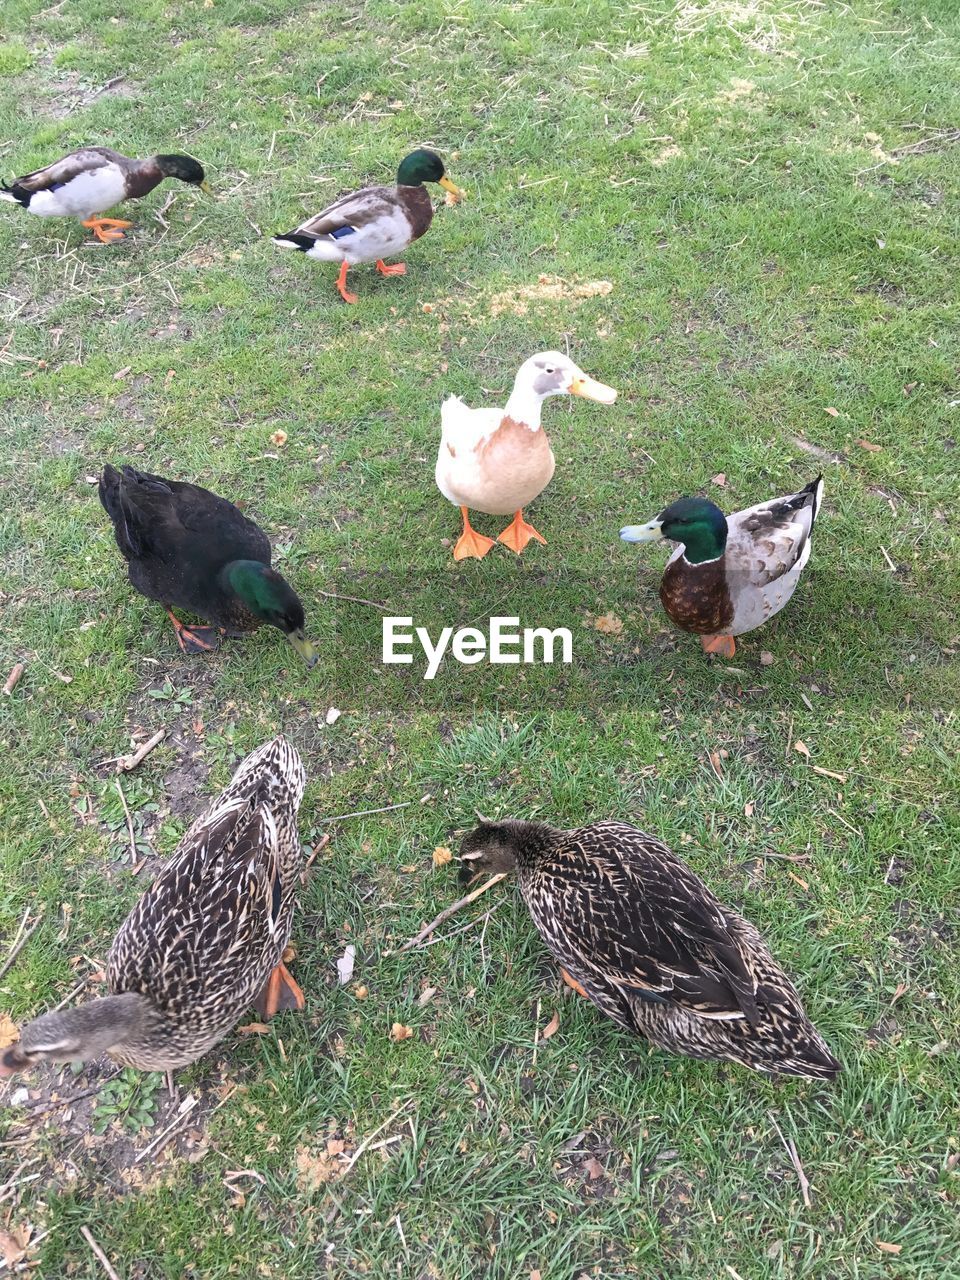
pixel 498 460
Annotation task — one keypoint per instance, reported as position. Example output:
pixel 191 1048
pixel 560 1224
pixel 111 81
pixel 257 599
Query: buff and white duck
pixel 498 460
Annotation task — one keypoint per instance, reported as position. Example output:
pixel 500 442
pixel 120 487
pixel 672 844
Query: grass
pixel 771 189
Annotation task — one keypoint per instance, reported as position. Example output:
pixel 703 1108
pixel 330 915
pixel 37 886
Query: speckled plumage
pixel 200 945
pixel 652 947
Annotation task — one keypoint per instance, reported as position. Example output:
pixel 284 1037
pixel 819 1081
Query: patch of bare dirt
pixel 547 289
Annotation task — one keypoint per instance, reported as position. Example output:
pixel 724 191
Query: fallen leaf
pixel 802 748
pixel 333 715
pixel 122 373
pixel 608 624
pixel 834 413
pixel 910 388
pixel 361 992
pixel 426 996
pixel 887 1247
pixel 594 1168
pixel 314 1171
pixel 534 1275
pixel 8 1031
pixel 871 448
pixel 552 1027
pixel 13 1245
pixel 715 764
pixel 345 965
pixel 279 439
pixel 720 480
pixel 766 658
pixel 748 809
pixel 408 867
pixel 441 856
pixel 254 1029
pixel 399 1032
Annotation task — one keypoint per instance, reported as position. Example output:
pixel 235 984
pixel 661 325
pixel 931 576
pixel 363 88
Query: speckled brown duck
pixel 640 935
pixel 204 943
pixel 374 223
pixel 731 574
pixel 190 549
pixel 88 182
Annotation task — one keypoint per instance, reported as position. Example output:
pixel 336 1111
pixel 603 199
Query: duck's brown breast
pixel 418 207
pixel 696 596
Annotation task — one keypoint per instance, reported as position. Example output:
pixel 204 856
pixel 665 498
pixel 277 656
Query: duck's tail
pixel 295 240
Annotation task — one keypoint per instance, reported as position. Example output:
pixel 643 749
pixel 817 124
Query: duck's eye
pixel 549 369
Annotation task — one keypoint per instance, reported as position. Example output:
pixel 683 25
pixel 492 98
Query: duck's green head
pixel 425 166
pixel 697 523
pixel 185 168
pixel 270 598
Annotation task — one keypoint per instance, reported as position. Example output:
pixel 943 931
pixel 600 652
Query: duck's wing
pixel 156 517
pixel 58 174
pixel 464 429
pixel 768 540
pixel 627 913
pixel 217 916
pixel 354 213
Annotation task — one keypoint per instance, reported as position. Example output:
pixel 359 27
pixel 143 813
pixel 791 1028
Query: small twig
pixel 126 763
pixel 74 1097
pixel 367 1141
pixel 21 940
pixel 374 604
pixel 158 1143
pixel 13 679
pixel 536 1035
pixel 886 556
pixel 99 1254
pixel 363 813
pixel 126 814
pixel 446 913
pixel 455 933
pixel 791 1151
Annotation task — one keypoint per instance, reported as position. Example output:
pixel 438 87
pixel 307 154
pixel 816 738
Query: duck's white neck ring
pixel 524 407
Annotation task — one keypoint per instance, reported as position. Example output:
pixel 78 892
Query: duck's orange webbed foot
pixel 470 543
pixel 345 293
pixel 106 229
pixel 195 639
pixel 722 646
pixel 518 533
pixel 573 983
pixel 391 269
pixel 281 993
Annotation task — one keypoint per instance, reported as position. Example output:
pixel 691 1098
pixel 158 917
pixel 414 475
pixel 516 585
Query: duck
pixel 638 933
pixel 85 183
pixel 190 549
pixel 498 460
pixel 731 574
pixel 375 222
pixel 207 940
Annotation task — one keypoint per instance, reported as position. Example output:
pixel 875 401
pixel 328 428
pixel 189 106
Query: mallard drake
pixel 205 942
pixel 731 574
pixel 87 182
pixel 498 460
pixel 188 548
pixel 639 934
pixel 375 223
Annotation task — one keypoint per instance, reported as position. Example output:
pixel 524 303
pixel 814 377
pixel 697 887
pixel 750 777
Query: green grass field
pixel 770 190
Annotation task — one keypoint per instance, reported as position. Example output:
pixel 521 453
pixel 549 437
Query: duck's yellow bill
pixel 590 390
pixel 303 647
pixel 451 187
